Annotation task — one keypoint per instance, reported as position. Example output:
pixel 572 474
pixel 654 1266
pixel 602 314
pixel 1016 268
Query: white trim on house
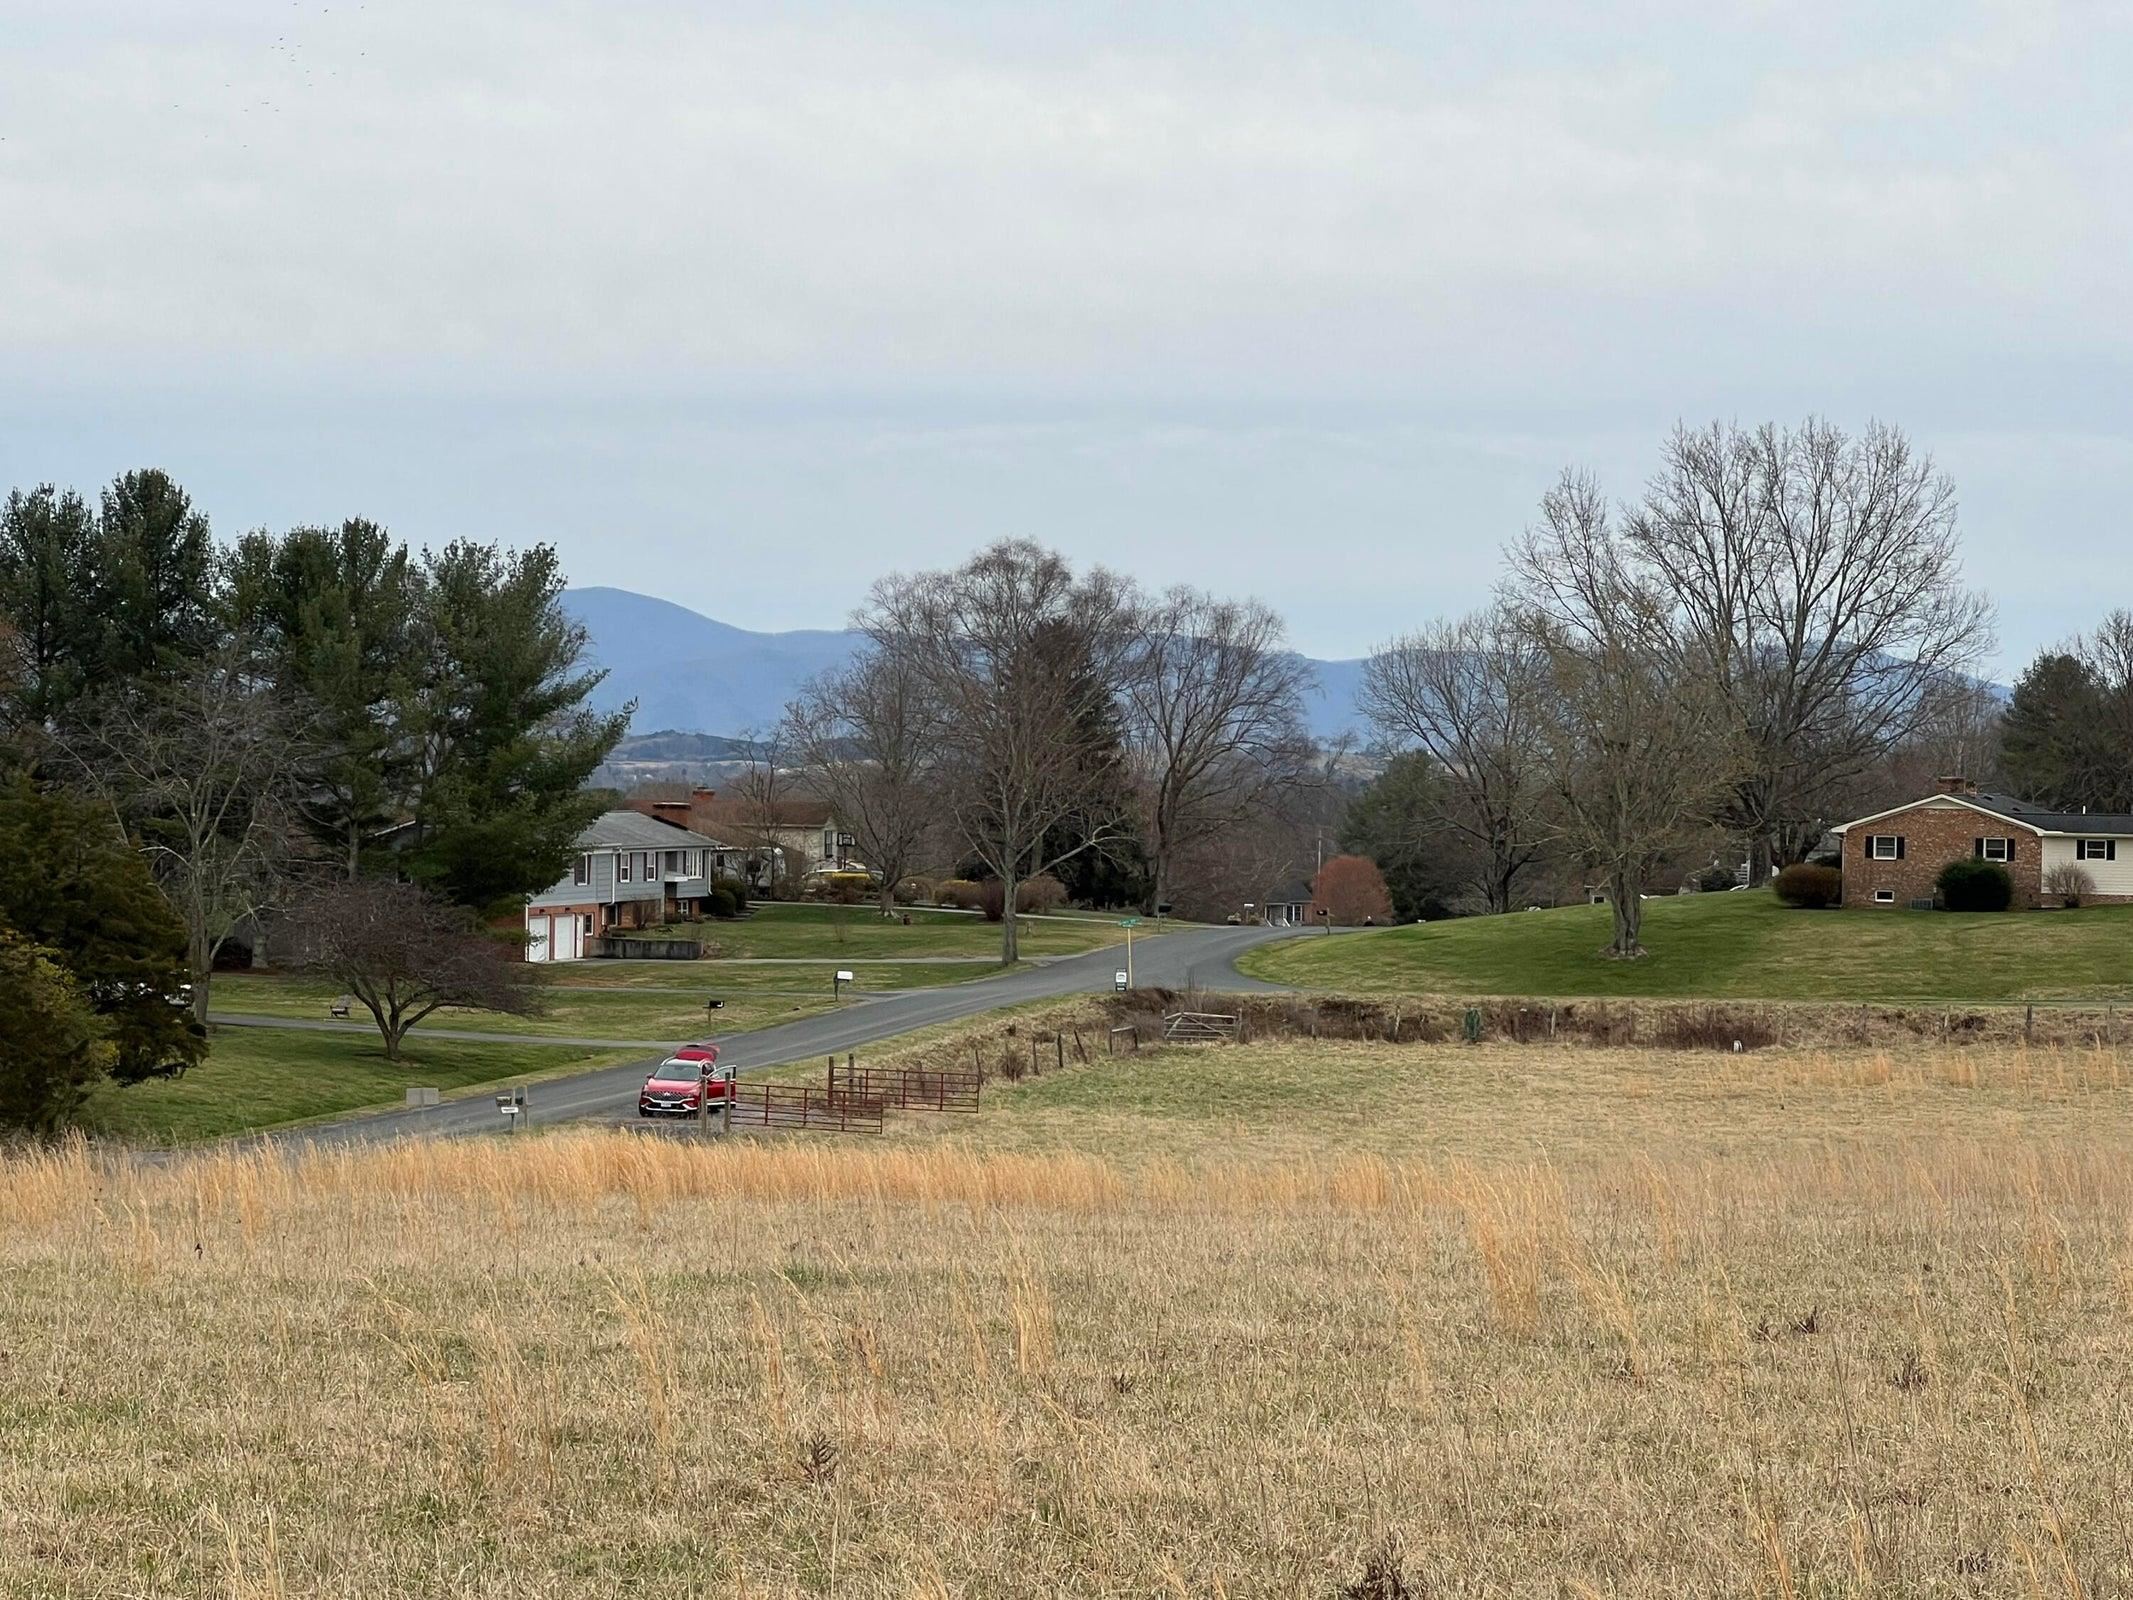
pixel 1941 801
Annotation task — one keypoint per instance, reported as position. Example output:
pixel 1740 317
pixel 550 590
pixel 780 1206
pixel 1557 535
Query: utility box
pixel 423 1097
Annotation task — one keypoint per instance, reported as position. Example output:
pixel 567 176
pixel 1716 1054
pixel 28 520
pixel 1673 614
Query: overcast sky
pixel 744 304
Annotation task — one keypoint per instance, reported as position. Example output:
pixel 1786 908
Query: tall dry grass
pixel 1855 1362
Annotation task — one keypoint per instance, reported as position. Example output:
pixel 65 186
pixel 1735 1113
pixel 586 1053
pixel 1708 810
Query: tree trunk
pixel 1498 889
pixel 355 848
pixel 1010 947
pixel 200 956
pixel 1761 861
pixel 1628 907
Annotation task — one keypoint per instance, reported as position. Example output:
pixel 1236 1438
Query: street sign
pixel 1118 982
pixel 1129 922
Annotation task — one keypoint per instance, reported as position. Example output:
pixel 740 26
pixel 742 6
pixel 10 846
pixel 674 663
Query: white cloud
pixel 1297 299
pixel 515 191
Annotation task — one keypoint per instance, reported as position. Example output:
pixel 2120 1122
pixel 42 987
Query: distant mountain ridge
pixel 694 674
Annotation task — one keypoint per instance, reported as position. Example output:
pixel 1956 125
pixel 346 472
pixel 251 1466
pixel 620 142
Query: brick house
pixel 1893 857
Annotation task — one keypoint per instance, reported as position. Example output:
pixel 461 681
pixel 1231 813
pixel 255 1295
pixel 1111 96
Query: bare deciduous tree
pixel 754 809
pixel 859 735
pixel 1467 693
pixel 1820 575
pixel 1636 734
pixel 403 951
pixel 1214 721
pixel 201 773
pixel 1019 663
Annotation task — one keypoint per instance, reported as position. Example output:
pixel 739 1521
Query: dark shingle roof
pixel 2096 822
pixel 633 830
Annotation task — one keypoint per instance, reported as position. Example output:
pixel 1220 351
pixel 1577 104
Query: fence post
pixel 2029 1024
pixel 1059 1050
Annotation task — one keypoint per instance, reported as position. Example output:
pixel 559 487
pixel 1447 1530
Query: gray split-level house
pixel 631 871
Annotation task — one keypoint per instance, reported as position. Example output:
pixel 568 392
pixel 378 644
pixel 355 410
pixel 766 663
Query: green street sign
pixel 1129 922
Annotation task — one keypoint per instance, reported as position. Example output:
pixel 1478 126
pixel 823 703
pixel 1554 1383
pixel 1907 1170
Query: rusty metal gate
pixel 910 1088
pixel 802 1105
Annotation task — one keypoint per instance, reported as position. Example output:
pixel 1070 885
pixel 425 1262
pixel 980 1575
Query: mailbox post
pixel 1129 924
pixel 511 1105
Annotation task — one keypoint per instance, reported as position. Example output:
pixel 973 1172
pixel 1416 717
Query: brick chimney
pixel 1954 783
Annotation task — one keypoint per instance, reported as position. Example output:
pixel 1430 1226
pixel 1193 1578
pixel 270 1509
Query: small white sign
pixel 1118 982
pixel 844 977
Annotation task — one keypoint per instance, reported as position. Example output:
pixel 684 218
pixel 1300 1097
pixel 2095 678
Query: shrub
pixel 959 894
pixel 1974 885
pixel 914 891
pixel 736 891
pixel 842 888
pixel 1810 887
pixel 1045 893
pixel 992 900
pixel 1715 880
pixel 719 901
pixel 2072 884
pixel 1349 891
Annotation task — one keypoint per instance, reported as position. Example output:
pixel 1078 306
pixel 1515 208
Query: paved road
pixel 1201 958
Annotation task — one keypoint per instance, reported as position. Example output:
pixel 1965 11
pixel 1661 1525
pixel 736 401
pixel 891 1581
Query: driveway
pixel 1196 958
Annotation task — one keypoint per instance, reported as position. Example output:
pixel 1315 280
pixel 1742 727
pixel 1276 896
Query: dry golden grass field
pixel 1289 1320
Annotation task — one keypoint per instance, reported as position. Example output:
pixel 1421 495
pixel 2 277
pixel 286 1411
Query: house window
pixel 1996 849
pixel 1884 897
pixel 622 867
pixel 1885 846
pixel 670 861
pixel 581 870
pixel 2095 849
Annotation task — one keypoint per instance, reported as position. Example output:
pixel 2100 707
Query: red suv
pixel 672 1088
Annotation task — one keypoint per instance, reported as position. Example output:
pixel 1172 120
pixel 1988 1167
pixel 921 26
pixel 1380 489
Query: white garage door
pixel 569 939
pixel 536 937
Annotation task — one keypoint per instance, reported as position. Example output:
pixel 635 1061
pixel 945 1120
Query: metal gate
pixel 802 1105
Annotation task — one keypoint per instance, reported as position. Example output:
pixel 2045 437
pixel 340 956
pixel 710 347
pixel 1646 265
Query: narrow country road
pixel 1197 958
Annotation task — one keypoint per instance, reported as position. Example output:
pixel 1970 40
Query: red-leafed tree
pixel 1348 892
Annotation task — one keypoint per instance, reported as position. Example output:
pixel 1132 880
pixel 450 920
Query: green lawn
pixel 575 1011
pixel 842 933
pixel 1730 946
pixel 260 1078
pixel 727 978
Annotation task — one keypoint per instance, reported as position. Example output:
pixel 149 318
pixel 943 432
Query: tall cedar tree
pixel 505 741
pixel 2068 732
pixel 71 885
pixel 55 1047
pixel 1398 821
pixel 1114 870
pixel 152 586
pixel 334 613
pixel 47 558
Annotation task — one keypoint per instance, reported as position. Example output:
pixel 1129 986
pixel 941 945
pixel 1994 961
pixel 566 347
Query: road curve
pixel 1194 958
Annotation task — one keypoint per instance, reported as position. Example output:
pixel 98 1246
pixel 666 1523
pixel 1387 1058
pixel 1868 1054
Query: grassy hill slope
pixel 1731 946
